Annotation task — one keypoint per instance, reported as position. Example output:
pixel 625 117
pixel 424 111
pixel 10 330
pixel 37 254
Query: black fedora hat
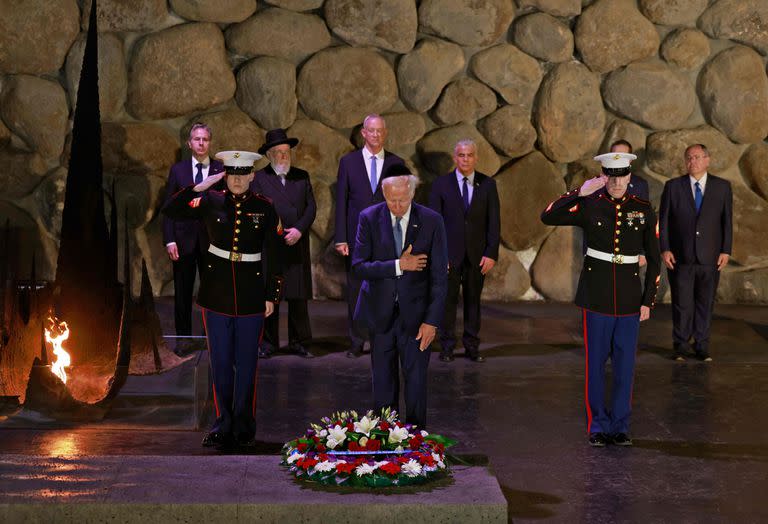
pixel 275 137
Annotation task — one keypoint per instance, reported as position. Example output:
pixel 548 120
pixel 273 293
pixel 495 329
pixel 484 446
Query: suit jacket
pixel 638 186
pixel 420 294
pixel 189 234
pixel 295 205
pixel 474 233
pixel 353 192
pixel 696 239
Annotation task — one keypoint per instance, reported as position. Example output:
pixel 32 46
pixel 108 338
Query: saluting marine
pixel 239 286
pixel 617 227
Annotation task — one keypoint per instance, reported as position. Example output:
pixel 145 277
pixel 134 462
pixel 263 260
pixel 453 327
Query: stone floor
pixel 700 454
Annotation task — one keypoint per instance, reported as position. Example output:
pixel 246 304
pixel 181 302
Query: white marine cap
pixel 616 164
pixel 238 161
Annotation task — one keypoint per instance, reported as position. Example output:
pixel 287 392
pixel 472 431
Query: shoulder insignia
pixel 574 208
pixel 279 226
pixel 195 202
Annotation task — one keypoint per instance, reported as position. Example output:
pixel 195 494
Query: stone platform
pixel 228 488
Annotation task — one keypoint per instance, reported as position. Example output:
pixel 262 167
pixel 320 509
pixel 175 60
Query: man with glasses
pixel 696 233
pixel 290 190
pixel 359 186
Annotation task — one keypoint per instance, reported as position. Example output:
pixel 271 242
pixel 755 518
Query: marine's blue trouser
pixel 615 337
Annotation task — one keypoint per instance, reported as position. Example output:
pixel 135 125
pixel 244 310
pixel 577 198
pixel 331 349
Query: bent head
pixel 238 184
pixel 280 157
pixel 398 193
pixel 617 185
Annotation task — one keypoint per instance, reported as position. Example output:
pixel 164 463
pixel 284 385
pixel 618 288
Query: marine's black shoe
pixel 598 440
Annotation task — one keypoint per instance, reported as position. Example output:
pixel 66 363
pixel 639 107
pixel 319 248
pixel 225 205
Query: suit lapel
pixel 414 226
pixel 475 190
pixel 363 173
pixel 387 235
pixel 686 187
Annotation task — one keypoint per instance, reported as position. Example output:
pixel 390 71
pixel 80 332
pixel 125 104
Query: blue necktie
pixel 398 231
pixel 699 196
pixel 199 175
pixel 374 181
pixel 465 195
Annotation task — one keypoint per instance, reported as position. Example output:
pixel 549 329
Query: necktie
pixel 398 231
pixel 374 181
pixel 199 175
pixel 282 177
pixel 699 196
pixel 465 195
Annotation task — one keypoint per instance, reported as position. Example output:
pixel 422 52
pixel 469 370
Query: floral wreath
pixel 372 451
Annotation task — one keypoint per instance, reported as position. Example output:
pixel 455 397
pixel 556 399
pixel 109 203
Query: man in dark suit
pixel 357 187
pixel 638 186
pixel 469 204
pixel 696 232
pixel 401 254
pixel 291 193
pixel 186 239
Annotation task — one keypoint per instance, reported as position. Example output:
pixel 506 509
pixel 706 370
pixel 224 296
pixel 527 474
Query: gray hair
pixel 200 125
pixel 465 142
pixel 411 180
pixel 373 116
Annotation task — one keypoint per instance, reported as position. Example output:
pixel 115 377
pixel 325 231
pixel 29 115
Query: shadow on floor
pixel 707 450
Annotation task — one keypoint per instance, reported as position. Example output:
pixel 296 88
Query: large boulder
pixel 510 130
pixel 569 117
pixel 508 280
pixel 113 74
pixel 749 212
pixel 424 72
pixel 621 129
pixel 320 149
pixel 138 197
pixel 464 100
pixel 650 93
pixel 673 12
pixel 232 130
pixel 613 33
pixel 435 150
pixel 467 22
pixel 21 173
pixel 36 34
pixel 686 48
pixel 733 90
pixel 148 245
pixel 218 11
pixel 525 189
pixel 754 167
pixel 364 83
pixel 739 20
pixel 665 150
pixel 36 111
pixel 544 37
pixel 266 90
pixel 46 203
pixel 404 128
pixel 128 15
pixel 325 198
pixel 737 286
pixel 563 8
pixel 329 276
pixel 280 33
pixel 510 72
pixel 179 71
pixel 297 5
pixel 555 272
pixel 389 25
pixel 137 148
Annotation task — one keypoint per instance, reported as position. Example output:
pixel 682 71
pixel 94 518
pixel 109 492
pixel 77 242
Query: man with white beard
pixel 290 190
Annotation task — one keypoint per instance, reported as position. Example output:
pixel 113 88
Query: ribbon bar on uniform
pixel 234 256
pixel 610 257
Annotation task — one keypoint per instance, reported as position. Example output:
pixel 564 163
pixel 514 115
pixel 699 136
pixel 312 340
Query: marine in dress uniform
pixel 290 191
pixel 617 227
pixel 239 285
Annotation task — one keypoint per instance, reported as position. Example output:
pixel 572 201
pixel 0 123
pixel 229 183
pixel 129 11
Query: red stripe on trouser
pixel 256 373
pixel 586 371
pixel 213 382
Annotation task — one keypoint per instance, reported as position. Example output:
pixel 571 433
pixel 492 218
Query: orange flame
pixel 56 334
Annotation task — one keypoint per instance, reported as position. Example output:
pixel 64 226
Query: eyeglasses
pixel 695 158
pixel 375 131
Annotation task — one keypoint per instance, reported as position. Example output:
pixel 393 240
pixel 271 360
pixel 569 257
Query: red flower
pixel 354 446
pixel 316 439
pixel 403 459
pixel 306 463
pixel 321 448
pixel 384 425
pixel 415 443
pixel 373 445
pixel 359 461
pixel 426 459
pixel 322 457
pixel 350 427
pixel 390 468
pixel 345 467
pixel 302 447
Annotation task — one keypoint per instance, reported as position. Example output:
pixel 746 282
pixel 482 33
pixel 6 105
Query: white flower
pixel 424 433
pixel 365 425
pixel 322 433
pixel 325 466
pixel 438 461
pixel 294 457
pixel 331 443
pixel 412 468
pixel 399 449
pixel 338 434
pixel 364 469
pixel 377 465
pixel 397 435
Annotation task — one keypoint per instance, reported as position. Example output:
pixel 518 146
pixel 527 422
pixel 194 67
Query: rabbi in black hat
pixel 290 190
pixel 618 226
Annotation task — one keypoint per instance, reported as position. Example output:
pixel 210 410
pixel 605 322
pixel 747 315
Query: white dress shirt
pixel 206 169
pixel 702 184
pixel 367 155
pixel 404 227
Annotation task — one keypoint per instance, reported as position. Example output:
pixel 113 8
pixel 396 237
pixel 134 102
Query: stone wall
pixel 541 85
